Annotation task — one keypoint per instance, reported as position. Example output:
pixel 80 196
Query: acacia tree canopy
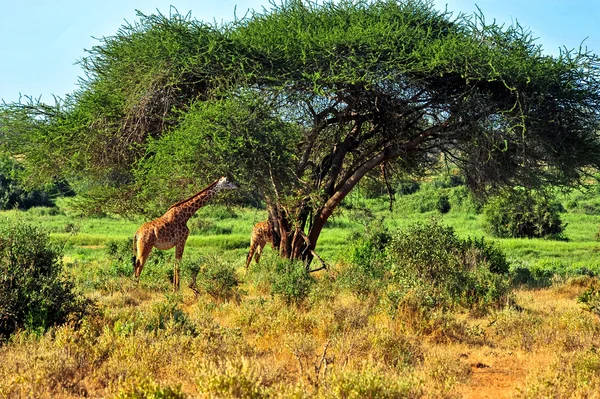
pixel 299 102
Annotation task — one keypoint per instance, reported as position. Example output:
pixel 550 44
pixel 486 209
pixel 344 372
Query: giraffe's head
pixel 224 184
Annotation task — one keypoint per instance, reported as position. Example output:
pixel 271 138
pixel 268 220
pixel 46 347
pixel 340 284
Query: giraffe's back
pixel 262 233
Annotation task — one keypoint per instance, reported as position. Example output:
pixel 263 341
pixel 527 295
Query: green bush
pixel 168 315
pixel 34 292
pixel 372 383
pixel 431 260
pixel 521 213
pixel 290 281
pixel 443 204
pixel 216 278
pixel 367 266
pixel 14 195
pixel 590 299
pixel 199 225
pixel 407 187
pixel 120 253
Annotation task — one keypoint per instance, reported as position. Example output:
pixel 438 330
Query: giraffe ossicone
pixel 170 230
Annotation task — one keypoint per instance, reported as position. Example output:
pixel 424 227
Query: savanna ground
pixel 250 342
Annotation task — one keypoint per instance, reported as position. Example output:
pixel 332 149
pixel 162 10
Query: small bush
pixel 120 254
pixel 366 269
pixel 590 299
pixel 535 276
pixel 290 281
pixel 522 214
pixel 201 226
pixel 431 260
pixel 168 315
pixel 150 390
pixel 217 212
pixel 372 383
pixel 34 292
pixel 407 187
pixel 217 279
pixel 443 204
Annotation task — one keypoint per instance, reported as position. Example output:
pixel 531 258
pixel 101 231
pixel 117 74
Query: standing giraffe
pixel 262 233
pixel 170 230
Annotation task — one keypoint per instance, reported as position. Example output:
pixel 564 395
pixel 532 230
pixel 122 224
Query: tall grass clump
pixel 523 214
pixel 34 291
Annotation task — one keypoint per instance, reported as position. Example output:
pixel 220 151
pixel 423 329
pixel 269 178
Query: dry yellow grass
pixel 143 343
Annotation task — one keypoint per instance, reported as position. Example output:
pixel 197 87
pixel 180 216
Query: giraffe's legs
pixel 250 254
pixel 259 252
pixel 256 248
pixel 178 255
pixel 143 251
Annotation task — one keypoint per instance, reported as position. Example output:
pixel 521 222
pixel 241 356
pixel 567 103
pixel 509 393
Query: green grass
pixel 226 232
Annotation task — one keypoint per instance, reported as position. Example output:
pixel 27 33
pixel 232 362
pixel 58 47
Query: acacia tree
pixel 300 102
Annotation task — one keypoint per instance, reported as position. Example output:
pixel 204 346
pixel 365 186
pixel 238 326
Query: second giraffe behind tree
pixel 262 233
pixel 170 230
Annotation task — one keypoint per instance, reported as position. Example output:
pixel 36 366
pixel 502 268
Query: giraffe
pixel 262 233
pixel 170 230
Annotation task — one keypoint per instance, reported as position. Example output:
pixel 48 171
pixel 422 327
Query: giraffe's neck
pixel 186 208
pixel 199 201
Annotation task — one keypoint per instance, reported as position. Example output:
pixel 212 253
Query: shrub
pixel 445 269
pixel 13 194
pixel 443 204
pixel 201 226
pixel 521 213
pixel 372 383
pixel 148 389
pixel 367 266
pixel 290 281
pixel 536 275
pixel 34 292
pixel 216 278
pixel 407 187
pixel 590 299
pixel 168 315
pixel 120 254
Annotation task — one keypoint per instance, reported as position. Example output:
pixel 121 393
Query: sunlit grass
pixel 262 347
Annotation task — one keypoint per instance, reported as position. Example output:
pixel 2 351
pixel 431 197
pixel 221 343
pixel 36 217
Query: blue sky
pixel 41 40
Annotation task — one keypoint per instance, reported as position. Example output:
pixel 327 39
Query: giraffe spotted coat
pixel 170 230
pixel 262 233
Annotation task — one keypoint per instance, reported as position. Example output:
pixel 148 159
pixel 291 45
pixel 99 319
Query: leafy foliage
pixel 34 292
pixel 290 281
pixel 216 278
pixel 301 101
pixel 447 270
pixel 14 195
pixel 239 136
pixel 367 257
pixel 523 213
pixel 590 299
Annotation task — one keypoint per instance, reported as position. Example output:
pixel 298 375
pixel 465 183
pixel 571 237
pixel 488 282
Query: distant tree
pixel 300 102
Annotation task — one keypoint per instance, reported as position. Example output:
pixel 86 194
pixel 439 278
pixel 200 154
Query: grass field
pixel 144 342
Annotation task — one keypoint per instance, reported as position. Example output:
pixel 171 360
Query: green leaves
pixel 305 95
pixel 240 136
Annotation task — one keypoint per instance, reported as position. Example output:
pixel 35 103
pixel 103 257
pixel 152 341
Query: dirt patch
pixel 498 374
